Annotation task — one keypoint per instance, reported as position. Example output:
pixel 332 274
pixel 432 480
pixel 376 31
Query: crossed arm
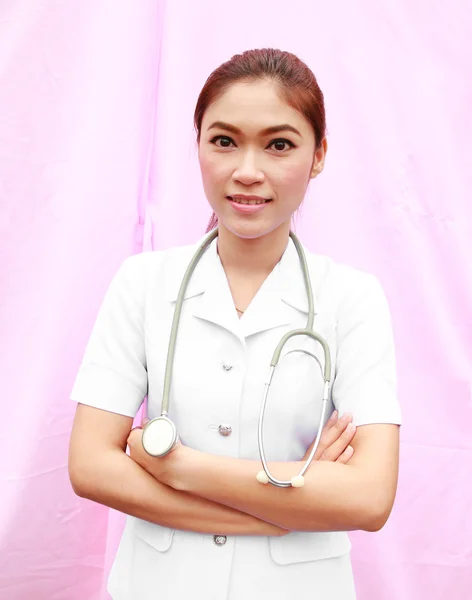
pixel 336 496
pixel 195 491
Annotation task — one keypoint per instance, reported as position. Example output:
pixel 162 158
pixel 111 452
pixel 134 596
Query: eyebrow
pixel 263 132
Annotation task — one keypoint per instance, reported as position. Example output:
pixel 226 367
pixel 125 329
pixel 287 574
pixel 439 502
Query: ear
pixel 319 159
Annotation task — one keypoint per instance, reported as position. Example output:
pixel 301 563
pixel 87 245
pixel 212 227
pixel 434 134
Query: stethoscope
pixel 160 434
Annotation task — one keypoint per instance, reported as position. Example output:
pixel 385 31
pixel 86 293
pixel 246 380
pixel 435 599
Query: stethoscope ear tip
pixel 262 477
pixel 298 481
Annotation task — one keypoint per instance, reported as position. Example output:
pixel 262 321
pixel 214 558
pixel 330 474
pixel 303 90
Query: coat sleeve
pixel 365 382
pixel 113 372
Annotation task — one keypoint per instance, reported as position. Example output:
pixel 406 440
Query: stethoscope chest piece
pixel 159 436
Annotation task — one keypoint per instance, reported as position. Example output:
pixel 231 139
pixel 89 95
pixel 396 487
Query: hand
pixel 161 468
pixel 335 439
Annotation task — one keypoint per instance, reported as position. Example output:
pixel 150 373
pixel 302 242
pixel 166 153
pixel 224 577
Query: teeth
pixel 241 201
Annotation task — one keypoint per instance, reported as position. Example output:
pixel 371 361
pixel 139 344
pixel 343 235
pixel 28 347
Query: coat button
pixel 227 367
pixel 220 540
pixel 225 430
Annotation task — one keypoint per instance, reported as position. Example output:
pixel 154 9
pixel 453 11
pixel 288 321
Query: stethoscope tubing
pixel 308 331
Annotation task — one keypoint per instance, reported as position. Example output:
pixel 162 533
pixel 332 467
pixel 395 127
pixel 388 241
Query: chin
pixel 251 230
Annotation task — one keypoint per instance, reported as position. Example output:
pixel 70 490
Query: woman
pixel 198 521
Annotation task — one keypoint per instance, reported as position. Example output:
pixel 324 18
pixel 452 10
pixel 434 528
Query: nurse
pixel 198 523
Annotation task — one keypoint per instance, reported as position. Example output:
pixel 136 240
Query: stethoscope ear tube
pixel 265 476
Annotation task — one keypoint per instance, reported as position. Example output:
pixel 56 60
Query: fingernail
pixel 334 416
pixel 351 427
pixel 346 417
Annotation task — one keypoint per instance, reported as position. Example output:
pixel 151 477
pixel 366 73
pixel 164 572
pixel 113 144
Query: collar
pixel 282 291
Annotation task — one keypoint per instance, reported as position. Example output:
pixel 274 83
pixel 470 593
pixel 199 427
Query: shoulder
pixel 151 274
pixel 345 288
pixel 139 267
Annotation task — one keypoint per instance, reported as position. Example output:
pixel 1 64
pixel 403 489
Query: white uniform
pixel 221 363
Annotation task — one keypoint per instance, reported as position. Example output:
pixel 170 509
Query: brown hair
pixel 295 80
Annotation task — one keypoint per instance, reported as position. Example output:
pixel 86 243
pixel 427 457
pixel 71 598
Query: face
pixel 253 143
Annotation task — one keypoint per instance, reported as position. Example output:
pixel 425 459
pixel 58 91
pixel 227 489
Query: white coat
pixel 221 363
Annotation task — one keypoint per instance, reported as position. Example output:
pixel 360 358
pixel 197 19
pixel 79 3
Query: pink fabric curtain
pixel 98 161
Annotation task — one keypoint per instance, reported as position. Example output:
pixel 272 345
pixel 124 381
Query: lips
pixel 246 208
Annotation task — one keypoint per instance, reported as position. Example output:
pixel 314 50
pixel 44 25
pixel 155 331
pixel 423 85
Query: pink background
pixel 98 161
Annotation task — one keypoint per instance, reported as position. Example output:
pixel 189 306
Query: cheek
pixel 212 169
pixel 294 175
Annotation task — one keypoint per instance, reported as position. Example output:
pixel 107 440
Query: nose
pixel 247 171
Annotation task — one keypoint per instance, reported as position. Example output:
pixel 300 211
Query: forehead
pixel 254 105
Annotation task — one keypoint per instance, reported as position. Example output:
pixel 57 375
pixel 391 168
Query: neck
pixel 251 256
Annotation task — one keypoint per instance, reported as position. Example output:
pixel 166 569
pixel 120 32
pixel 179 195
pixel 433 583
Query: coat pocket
pixel 301 546
pixel 155 535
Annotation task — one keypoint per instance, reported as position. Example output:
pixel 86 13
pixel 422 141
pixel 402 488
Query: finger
pixel 346 455
pixel 334 450
pixel 134 435
pixel 332 433
pixel 332 420
pixel 336 431
pixel 330 423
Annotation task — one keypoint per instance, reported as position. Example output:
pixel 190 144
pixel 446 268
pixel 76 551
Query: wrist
pixel 183 469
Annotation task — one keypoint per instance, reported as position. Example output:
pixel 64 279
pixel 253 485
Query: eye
pixel 279 143
pixel 225 141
